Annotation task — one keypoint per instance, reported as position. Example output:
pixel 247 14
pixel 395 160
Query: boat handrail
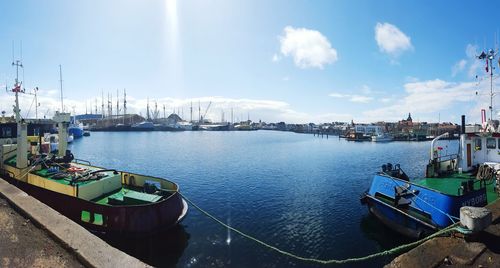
pixel 81 161
pixel 434 140
pixel 447 157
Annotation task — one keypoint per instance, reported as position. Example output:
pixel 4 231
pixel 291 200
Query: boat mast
pixel 102 103
pixel 147 111
pixel 117 105
pixel 124 105
pixel 61 85
pixel 489 56
pixel 17 89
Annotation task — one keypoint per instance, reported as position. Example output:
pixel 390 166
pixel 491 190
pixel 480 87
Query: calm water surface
pixel 295 191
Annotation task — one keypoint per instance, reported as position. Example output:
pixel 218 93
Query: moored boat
pixel 75 129
pixel 419 207
pixel 471 177
pixel 143 126
pixel 102 200
pixel 382 137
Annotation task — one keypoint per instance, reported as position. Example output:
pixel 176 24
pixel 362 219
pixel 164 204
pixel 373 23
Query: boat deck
pixel 127 196
pixel 451 183
pixel 110 192
pixel 62 176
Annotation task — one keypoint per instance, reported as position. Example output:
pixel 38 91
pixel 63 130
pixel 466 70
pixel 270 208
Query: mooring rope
pixel 429 204
pixel 447 230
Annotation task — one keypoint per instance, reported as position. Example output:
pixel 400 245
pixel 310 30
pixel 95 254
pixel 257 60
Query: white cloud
pixel 426 98
pixel 257 109
pixel 360 99
pixel 385 100
pixel 308 48
pixel 337 95
pixel 352 98
pixel 364 98
pixel 471 51
pixel 471 63
pixel 275 58
pixel 391 40
pixel 458 67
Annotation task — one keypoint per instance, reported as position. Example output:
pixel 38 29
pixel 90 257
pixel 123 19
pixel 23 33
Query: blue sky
pixel 297 61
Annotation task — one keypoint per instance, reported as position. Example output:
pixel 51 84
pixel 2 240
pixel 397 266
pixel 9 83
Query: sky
pixel 292 61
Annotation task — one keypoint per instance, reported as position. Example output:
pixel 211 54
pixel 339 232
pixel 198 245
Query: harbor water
pixel 297 192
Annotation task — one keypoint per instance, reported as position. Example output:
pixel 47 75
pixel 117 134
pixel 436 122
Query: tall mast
pixel 17 87
pixel 147 110
pixel 117 104
pixel 489 56
pixel 108 105
pixel 102 103
pixel 191 112
pixel 36 103
pixel 155 115
pixel 124 105
pixel 111 106
pixel 61 84
pixel 164 113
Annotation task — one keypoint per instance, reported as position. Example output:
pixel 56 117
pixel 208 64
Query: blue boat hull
pixel 76 131
pixel 416 211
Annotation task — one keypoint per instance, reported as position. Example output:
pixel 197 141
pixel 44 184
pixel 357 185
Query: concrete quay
pixel 477 250
pixel 29 246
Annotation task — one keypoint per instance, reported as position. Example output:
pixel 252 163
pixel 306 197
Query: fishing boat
pixel 75 129
pixel 471 177
pixel 105 201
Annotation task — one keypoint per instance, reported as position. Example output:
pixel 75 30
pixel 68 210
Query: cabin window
pixel 491 143
pixel 477 144
pixel 6 132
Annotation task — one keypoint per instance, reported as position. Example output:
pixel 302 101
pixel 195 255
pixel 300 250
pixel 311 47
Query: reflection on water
pixel 297 192
pixel 385 237
pixel 162 249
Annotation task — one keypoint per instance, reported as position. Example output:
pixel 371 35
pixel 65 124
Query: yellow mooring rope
pixel 449 229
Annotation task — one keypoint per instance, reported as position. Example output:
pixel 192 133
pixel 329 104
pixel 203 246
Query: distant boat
pixel 76 130
pixel 143 126
pixel 244 127
pixel 357 136
pixel 185 125
pixel 86 133
pixel 215 127
pixel 382 137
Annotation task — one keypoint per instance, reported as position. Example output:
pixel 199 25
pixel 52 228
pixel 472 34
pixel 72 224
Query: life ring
pixel 7 141
pixel 75 169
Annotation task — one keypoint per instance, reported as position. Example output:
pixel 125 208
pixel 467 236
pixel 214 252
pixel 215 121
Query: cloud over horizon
pixel 426 98
pixel 256 109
